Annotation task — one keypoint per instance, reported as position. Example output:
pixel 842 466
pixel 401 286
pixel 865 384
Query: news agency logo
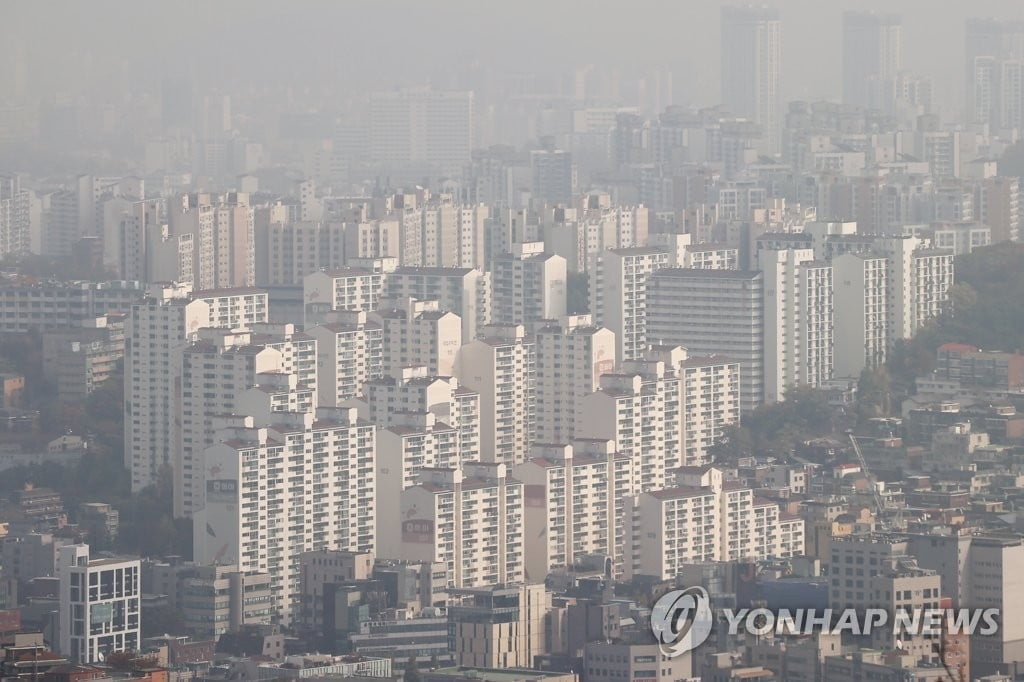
pixel 681 620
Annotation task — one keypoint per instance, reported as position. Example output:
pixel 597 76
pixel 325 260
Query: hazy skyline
pixel 73 48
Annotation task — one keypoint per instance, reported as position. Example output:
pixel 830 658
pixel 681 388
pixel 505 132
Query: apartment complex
pixel 283 484
pixel 705 518
pixel 419 333
pixel 464 291
pixel 469 519
pixel 574 504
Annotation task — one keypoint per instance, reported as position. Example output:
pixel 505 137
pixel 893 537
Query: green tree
pixel 873 394
pixel 778 428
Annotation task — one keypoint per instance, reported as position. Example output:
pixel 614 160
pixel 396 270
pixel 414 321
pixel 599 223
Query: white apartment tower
pixel 638 408
pixel 860 292
pixel 349 353
pixel 501 367
pixel 415 391
pixel 160 327
pixel 16 217
pixel 706 518
pixel 217 370
pixel 222 233
pixel 572 354
pixel 618 295
pixel 798 326
pixel 419 333
pixel 288 251
pixel 574 502
pixel 305 483
pixel 919 280
pixel 528 285
pixel 711 397
pixel 344 289
pixel 469 519
pixel 464 291
pixel 665 411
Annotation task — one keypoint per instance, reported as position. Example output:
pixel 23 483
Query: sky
pixel 379 44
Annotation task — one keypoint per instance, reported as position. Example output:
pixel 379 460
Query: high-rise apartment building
pixel 345 289
pixel 575 496
pixel 919 280
pixel 706 518
pixel 861 296
pixel 452 234
pixel 501 367
pixel 464 291
pixel 18 211
pixel 160 328
pixel 994 50
pixel 415 391
pixel 442 520
pixel 222 235
pixel 751 46
pixel 580 234
pixel 665 411
pixel 798 325
pixel 419 333
pixel 528 285
pixel 712 312
pixel 638 407
pixel 216 371
pixel 285 252
pixel 350 352
pixel 272 492
pixel 131 231
pixel 422 128
pixel 572 354
pixel 872 58
pixel 711 398
pixel 618 296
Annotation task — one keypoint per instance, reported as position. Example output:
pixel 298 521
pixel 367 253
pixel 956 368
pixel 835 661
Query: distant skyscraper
pixel 994 50
pixel 422 127
pixel 554 176
pixel 751 62
pixel 872 57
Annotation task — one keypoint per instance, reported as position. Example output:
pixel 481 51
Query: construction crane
pixel 879 507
